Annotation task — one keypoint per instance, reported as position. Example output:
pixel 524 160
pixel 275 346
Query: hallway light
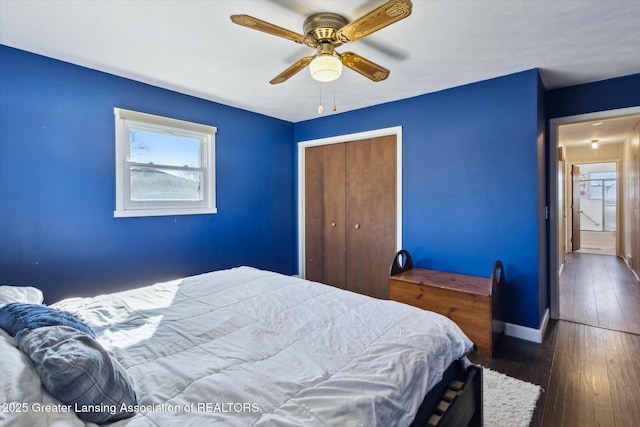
pixel 594 143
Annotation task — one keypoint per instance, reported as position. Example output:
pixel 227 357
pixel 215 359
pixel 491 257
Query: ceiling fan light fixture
pixel 325 31
pixel 325 67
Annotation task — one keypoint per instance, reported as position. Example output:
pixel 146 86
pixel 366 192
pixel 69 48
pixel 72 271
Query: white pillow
pixel 24 294
pixel 28 404
pixel 20 381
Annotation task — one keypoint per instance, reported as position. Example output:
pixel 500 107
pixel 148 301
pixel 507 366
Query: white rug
pixel 508 401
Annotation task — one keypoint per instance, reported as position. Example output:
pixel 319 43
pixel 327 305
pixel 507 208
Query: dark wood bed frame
pixel 456 401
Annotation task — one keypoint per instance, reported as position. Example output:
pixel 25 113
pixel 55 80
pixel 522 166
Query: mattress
pixel 248 347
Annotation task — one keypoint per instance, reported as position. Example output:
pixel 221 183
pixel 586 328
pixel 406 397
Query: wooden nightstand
pixel 473 303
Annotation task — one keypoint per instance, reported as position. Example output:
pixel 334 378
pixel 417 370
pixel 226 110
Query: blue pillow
pixel 17 316
pixel 78 371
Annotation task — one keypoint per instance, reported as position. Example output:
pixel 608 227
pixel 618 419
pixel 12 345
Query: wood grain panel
pixel 594 378
pixel 314 213
pixel 350 214
pixel 472 313
pixel 463 283
pixel 599 290
pixel 359 234
pixel 467 300
pixel 633 198
pixel 383 212
pixel 334 226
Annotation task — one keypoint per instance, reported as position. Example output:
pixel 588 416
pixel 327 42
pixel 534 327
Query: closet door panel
pixel 359 224
pixel 314 213
pixel 334 226
pixel 350 214
pixel 383 212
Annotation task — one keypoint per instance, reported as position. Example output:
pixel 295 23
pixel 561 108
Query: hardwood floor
pixel 589 373
pixel 600 291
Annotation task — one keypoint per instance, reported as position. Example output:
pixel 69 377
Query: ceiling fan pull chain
pixel 334 96
pixel 320 107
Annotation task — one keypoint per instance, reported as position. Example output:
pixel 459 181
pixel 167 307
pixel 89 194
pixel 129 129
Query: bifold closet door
pixel 325 214
pixel 350 214
pixel 370 178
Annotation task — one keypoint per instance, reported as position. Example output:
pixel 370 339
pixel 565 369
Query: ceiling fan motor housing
pixel 322 27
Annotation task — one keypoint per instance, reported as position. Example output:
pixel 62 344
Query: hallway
pixel 588 370
pixel 601 291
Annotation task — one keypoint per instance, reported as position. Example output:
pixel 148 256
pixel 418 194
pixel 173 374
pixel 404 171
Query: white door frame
pixel 302 145
pixel 554 267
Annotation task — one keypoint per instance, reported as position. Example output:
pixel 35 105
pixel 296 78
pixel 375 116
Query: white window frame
pixel 125 207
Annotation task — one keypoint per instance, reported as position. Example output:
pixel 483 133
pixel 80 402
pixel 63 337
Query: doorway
pixel 619 123
pixel 595 207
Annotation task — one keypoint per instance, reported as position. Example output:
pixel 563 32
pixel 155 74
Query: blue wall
pixel 611 94
pixel 470 179
pixel 57 174
pixel 604 95
pixel 471 168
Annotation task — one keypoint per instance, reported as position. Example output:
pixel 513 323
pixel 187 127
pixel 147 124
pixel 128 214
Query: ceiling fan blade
pixel 390 12
pixel 291 71
pixel 266 27
pixel 363 66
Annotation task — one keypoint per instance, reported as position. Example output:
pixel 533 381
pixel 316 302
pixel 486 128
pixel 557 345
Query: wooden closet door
pixel 383 212
pixel 325 214
pixel 314 214
pixel 358 197
pixel 350 214
pixel 371 214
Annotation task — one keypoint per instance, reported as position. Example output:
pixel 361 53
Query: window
pixel 599 179
pixel 163 166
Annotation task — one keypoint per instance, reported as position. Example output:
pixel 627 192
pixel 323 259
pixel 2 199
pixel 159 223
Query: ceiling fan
pixel 325 32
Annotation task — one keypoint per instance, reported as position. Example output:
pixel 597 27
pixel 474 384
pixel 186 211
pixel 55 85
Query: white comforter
pixel 248 347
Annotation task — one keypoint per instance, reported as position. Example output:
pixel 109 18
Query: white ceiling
pixel 192 47
pixel 607 131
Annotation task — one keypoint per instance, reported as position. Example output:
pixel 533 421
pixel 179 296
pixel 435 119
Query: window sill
pixel 130 213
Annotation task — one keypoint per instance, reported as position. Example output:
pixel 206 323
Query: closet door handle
pixel 356 226
pixel 333 223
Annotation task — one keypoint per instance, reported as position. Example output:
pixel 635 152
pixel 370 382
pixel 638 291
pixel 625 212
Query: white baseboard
pixel 626 261
pixel 529 334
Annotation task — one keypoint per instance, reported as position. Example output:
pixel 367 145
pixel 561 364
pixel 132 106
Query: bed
pixel 244 347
